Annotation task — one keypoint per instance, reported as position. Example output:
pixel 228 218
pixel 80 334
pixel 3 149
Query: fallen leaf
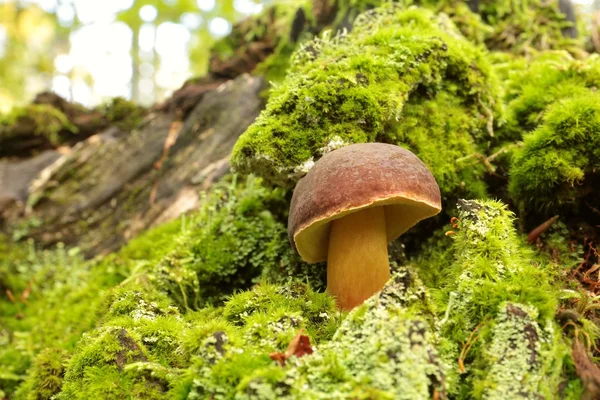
pixel 592 269
pixel 299 346
pixel 279 357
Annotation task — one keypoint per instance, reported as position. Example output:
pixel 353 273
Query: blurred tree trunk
pixel 110 187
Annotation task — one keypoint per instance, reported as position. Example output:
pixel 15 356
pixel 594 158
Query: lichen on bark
pixel 496 308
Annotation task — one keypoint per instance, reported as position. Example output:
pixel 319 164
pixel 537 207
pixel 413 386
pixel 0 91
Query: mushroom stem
pixel 357 262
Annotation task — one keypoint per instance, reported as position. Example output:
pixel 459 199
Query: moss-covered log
pixel 348 89
pixel 114 185
pixel 51 121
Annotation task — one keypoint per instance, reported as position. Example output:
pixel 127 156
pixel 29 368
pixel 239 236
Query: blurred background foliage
pixel 91 50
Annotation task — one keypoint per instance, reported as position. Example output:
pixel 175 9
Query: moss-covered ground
pixel 216 305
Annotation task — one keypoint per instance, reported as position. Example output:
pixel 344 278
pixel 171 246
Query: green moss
pixel 137 343
pixel 488 293
pixel 532 86
pixel 15 363
pixel 39 119
pixel 123 113
pixel 552 104
pixel 559 163
pixel 135 352
pixel 518 361
pixel 44 311
pixel 227 244
pixel 338 93
pixel 383 349
pixel 274 68
pixel 140 342
pixel 468 22
pixel 521 27
pixel 525 26
pixel 444 118
pixel 144 346
pixel 317 310
pixel 66 297
pixel 347 89
pixel 153 244
pixel 46 376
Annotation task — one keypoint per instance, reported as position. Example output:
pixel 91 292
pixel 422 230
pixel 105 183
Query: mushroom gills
pixel 357 261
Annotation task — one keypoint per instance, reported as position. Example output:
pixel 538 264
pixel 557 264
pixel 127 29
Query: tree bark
pixel 115 184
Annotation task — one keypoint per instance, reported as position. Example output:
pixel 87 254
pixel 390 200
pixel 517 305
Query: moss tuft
pixel 559 164
pixel 383 349
pixel 527 26
pixel 517 357
pixel 234 238
pixel 38 119
pixel 46 376
pixel 123 113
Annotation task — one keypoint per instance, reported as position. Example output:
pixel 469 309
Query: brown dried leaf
pixel 299 346
pixel 279 357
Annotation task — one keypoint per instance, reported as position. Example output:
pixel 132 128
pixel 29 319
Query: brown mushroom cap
pixel 355 177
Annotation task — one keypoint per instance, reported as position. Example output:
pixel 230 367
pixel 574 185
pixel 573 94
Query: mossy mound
pixel 556 169
pixel 131 354
pixel 559 164
pixel 533 84
pixel 368 86
pixel 496 308
pixel 407 341
pixel 146 348
pixel 115 330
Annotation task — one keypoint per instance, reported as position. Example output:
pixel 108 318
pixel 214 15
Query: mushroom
pixel 350 205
